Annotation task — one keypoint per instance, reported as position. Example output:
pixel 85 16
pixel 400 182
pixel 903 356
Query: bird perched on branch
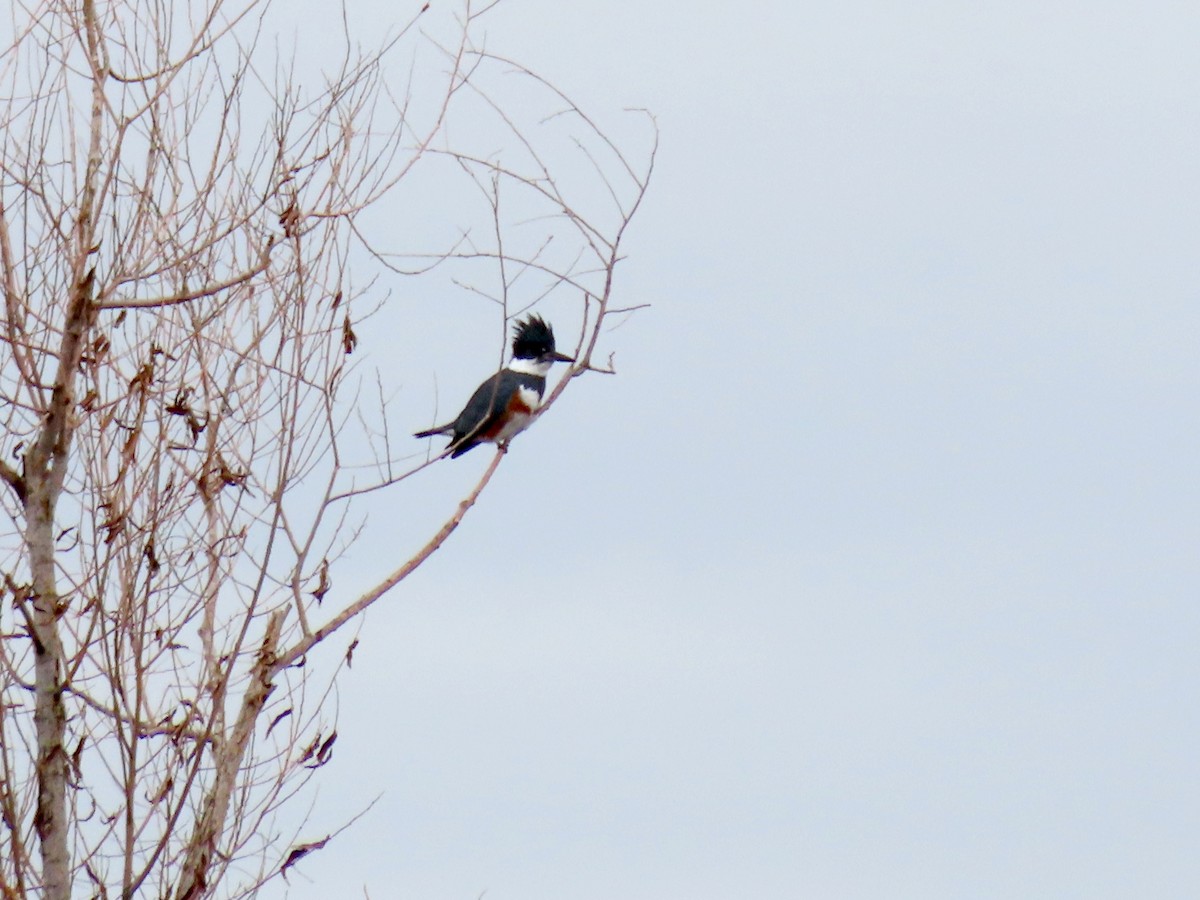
pixel 504 405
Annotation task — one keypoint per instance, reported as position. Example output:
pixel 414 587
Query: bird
pixel 504 405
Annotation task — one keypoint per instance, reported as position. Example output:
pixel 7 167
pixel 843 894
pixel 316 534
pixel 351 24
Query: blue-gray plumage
pixel 504 405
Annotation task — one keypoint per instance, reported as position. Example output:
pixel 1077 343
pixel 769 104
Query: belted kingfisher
pixel 503 406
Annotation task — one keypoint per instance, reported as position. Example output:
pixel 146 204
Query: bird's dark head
pixel 533 340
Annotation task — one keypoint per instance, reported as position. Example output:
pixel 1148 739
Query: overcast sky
pixel 874 572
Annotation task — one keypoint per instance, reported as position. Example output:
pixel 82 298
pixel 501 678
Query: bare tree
pixel 184 224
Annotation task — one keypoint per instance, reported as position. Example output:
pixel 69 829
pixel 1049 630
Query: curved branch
pixel 208 290
pixel 290 656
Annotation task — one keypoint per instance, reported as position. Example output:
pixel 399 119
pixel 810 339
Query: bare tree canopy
pixel 187 247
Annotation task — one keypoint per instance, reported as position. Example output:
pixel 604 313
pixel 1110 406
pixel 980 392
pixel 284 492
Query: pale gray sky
pixel 874 572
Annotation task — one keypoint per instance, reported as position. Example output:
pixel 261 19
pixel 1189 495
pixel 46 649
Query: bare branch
pixel 360 605
pixel 209 290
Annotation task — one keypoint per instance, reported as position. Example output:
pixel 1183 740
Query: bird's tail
pixel 441 429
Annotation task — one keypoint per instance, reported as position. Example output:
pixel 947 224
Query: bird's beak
pixel 561 357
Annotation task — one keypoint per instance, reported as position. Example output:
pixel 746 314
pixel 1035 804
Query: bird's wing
pixel 482 411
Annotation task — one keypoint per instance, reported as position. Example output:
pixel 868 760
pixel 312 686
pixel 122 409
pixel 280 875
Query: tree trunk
pixel 229 751
pixel 45 469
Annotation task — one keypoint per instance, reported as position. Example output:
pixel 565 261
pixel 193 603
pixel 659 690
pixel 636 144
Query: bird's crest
pixel 532 338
